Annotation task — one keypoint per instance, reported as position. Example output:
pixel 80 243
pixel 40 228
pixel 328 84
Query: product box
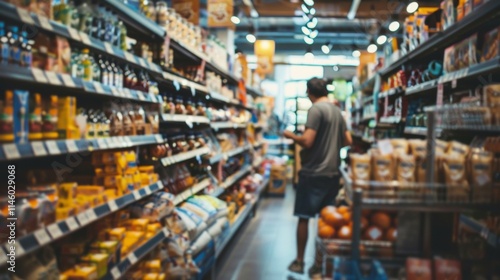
pixel 491 45
pixel 418 269
pixel 448 15
pixel 463 9
pixel 466 54
pixel 278 180
pixel 21 116
pixel 447 270
pixel 449 60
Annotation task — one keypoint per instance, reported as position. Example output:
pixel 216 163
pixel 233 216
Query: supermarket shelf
pixel 477 129
pixel 229 154
pixel 254 92
pixel 368 84
pixel 421 88
pixel 187 51
pixel 46 235
pixel 63 82
pixel 179 82
pixel 132 258
pixel 191 191
pixel 136 20
pixel 480 229
pixel 231 180
pixel 367 119
pixel 58 147
pixel 212 66
pixel 166 161
pixel 227 125
pixel 390 120
pixel 468 25
pixel 414 130
pixel 392 92
pixel 189 120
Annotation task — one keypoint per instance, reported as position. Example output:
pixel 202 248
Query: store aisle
pixel 265 245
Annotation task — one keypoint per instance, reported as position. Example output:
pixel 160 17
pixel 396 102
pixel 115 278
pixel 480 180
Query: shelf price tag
pixel 45 23
pixel 132 258
pixel 148 190
pixel 38 149
pixel 39 75
pixel 109 48
pixel 55 231
pixel 52 147
pixel 130 57
pixel 68 80
pixel 42 236
pixel 85 38
pixel 112 205
pixel 71 223
pixel 140 94
pixel 115 273
pixel 158 138
pixel 142 62
pixel 136 195
pixel 25 16
pixel 71 145
pixel 128 141
pixel 3 256
pixel 101 143
pixel 193 91
pixel 110 143
pixel 91 216
pixel 82 218
pixel 98 87
pixel 73 33
pixel 177 85
pixel 11 151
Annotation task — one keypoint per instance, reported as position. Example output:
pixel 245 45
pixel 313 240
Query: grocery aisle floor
pixel 265 244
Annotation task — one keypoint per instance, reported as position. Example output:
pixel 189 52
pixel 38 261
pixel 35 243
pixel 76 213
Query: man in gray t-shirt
pixel 326 133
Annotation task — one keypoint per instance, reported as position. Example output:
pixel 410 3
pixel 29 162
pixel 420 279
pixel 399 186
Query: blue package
pixel 21 112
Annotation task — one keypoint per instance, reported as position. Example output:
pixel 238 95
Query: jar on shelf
pixel 162 13
pixel 179 107
pixel 190 109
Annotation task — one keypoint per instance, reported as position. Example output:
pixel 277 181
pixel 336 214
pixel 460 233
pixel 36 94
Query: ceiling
pixel 281 20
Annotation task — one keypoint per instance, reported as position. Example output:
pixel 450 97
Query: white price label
pixel 55 231
pixel 193 91
pixel 165 162
pixel 85 38
pixel 25 16
pixel 98 87
pixel 142 62
pixel 385 147
pixel 111 143
pixel 112 205
pixel 126 92
pixel 19 249
pixel 38 149
pixel 11 151
pixel 68 80
pixel 52 147
pixel 132 258
pixel 136 195
pixel 121 141
pixel 3 256
pixel 73 33
pixel 101 143
pixel 148 190
pixel 91 215
pixel 52 77
pixel 153 66
pixel 130 57
pixel 71 145
pixel 189 123
pixel 42 236
pixel 109 48
pixel 159 138
pixel 141 96
pixel 153 97
pixel 115 272
pixel 115 92
pixel 39 75
pixel 128 142
pixel 177 85
pixel 82 218
pixel 72 224
pixel 45 23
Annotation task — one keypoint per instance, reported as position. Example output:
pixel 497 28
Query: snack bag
pixel 455 179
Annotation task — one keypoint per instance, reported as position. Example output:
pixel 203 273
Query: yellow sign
pixel 220 13
pixel 264 51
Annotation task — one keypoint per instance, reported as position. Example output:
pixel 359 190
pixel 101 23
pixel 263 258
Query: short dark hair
pixel 317 87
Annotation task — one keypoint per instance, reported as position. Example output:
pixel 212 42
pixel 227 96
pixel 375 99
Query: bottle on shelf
pixel 14 49
pixel 103 71
pixel 84 18
pixel 86 63
pixel 26 50
pixel 4 44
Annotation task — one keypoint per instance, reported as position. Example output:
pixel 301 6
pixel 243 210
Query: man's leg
pixel 302 236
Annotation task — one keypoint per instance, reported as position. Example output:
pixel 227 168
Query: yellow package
pixel 382 167
pixel 100 261
pixel 67 192
pixel 360 167
pixel 154 228
pixel 441 146
pixel 82 203
pixel 406 168
pixel 82 272
pixel 116 234
pixel 418 148
pixel 138 225
pixel 458 148
pixel 152 266
pixel 112 193
pixel 400 146
pixel 154 276
pixel 455 178
pixel 146 179
pixel 66 126
pixel 106 247
pixel 63 212
pixel 118 182
pixel 149 169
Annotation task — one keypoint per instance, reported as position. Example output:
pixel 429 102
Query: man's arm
pixel 305 140
pixel 347 138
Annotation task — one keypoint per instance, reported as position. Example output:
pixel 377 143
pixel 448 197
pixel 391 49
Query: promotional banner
pixel 264 51
pixel 219 13
pixel 188 9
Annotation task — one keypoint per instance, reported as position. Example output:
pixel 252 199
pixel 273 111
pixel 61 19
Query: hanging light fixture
pixel 251 35
pixel 412 7
pixel 312 23
pixel 394 26
pixel 382 39
pixel 305 9
pixel 306 30
pixel 309 54
pixel 356 53
pixel 372 48
pixel 335 68
pixel 309 2
pixel 314 34
pixel 235 20
pixel 312 11
pixel 308 40
pixel 326 48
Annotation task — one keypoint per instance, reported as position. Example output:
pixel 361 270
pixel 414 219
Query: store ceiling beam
pixel 354 9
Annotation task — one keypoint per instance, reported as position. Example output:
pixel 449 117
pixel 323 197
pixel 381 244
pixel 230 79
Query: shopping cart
pixel 348 269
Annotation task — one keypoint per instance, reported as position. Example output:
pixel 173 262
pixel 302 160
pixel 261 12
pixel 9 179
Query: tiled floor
pixel 265 244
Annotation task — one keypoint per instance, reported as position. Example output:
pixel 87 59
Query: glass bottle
pixel 4 44
pixel 87 65
pixel 123 37
pixel 26 47
pixel 179 106
pixel 104 74
pixel 190 110
pixel 15 51
pixel 96 70
pixel 84 18
pixel 118 34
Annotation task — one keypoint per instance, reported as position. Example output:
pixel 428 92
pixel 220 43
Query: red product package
pixel 418 269
pixel 447 270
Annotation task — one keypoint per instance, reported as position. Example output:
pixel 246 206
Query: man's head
pixel 316 88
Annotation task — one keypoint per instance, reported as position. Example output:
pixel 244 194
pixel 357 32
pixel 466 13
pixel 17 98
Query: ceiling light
pixel 382 39
pixel 356 53
pixel 306 30
pixel 312 23
pixel 314 34
pixel 394 26
pixel 308 40
pixel 235 20
pixel 312 11
pixel 326 48
pixel 251 38
pixel 309 2
pixel 331 87
pixel 309 54
pixel 335 68
pixel 412 7
pixel 305 9
pixel 372 48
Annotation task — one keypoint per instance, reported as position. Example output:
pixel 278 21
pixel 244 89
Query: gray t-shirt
pixel 323 158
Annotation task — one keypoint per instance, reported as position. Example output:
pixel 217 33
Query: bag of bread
pixel 382 167
pixel 360 168
pixel 421 163
pixel 400 146
pixel 458 148
pixel 481 172
pixel 405 175
pixel 492 99
pixel 418 148
pixel 457 187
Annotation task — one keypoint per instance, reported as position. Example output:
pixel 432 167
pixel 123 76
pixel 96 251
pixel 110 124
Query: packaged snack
pixel 400 145
pixel 383 167
pixel 21 112
pixel 448 14
pixel 449 60
pixel 82 272
pixel 99 260
pixel 418 269
pixel 50 118
pixel 360 167
pixel 458 148
pixel 7 118
pixel 465 53
pixel 455 178
pixel 481 165
pixel 447 269
pixel 35 117
pixel 491 97
pixel 406 168
pixel 418 148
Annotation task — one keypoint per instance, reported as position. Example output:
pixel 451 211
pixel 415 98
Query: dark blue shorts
pixel 314 193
